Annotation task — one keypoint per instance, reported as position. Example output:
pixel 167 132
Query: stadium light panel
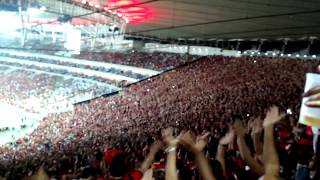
pixel 124 3
pixel 130 9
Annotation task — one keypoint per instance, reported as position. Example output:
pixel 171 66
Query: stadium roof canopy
pixel 196 19
pixel 230 19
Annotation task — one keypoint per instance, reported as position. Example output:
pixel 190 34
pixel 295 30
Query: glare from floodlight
pixel 297 55
pixel 289 55
pixel 289 111
pixel 266 54
pixel 34 11
pixel 305 56
pixel 273 54
pixel 43 8
pixel 239 52
pixel 12 21
pixel 314 56
pixel 259 53
pixel 281 54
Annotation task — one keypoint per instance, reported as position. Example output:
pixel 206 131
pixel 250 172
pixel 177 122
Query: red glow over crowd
pixel 126 9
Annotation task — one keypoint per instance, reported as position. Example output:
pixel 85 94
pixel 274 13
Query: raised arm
pixel 226 140
pixel 244 150
pixel 256 135
pixel 270 155
pixel 196 146
pixel 171 142
pixel 150 157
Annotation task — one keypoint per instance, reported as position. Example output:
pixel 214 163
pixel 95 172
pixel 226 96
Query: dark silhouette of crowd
pixel 215 118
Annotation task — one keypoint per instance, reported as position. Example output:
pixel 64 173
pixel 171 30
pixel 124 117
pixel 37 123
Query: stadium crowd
pixel 32 90
pixel 71 64
pixel 110 81
pixel 229 113
pixel 160 61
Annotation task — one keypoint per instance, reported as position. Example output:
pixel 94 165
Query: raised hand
pixel 227 139
pixel 168 138
pixel 312 91
pixel 156 146
pixel 257 126
pixel 193 143
pixel 40 175
pixel 314 101
pixel 273 116
pixel 238 127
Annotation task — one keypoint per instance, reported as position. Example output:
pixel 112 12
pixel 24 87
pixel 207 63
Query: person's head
pixel 216 169
pixel 119 165
pixel 159 156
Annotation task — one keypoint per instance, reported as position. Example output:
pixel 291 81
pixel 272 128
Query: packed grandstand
pixel 93 90
pixel 72 143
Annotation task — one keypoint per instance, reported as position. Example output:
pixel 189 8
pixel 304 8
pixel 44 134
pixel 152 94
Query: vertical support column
pixel 285 42
pixel 122 30
pixel 92 36
pixel 53 35
pixel 28 19
pixel 260 45
pixel 22 35
pixel 238 45
pixel 309 46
